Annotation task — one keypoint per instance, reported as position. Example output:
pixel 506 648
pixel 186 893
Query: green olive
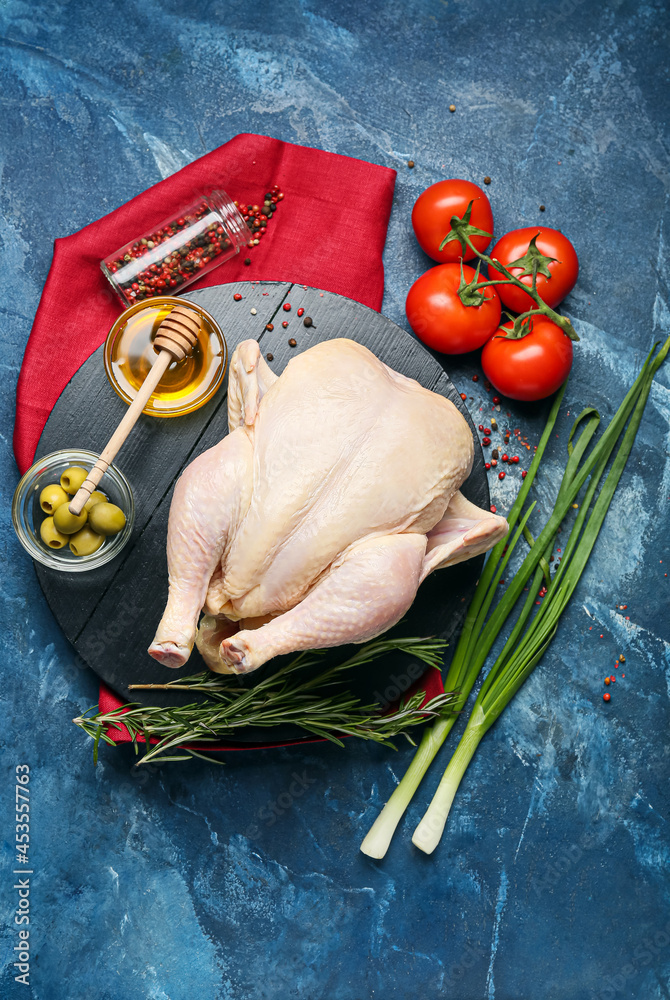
pixel 85 542
pixel 52 497
pixel 51 536
pixel 68 523
pixel 72 479
pixel 107 519
pixel 95 497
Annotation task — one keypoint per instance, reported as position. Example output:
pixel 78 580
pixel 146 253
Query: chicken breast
pixel 314 521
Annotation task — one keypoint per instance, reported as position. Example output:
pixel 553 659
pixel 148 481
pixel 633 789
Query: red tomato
pixel 439 318
pixel 564 269
pixel 532 367
pixel 432 212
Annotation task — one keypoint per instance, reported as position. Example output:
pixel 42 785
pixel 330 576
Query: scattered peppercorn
pixel 307 321
pixel 252 311
pixel 622 659
pixel 247 260
pixel 496 400
pixel 487 180
pixel 495 453
pixel 237 297
pixel 269 326
pixel 524 474
pixel 493 508
pixel 606 696
pixel 452 108
pixel 410 164
pixel 285 323
pixel 270 357
pixel 292 342
pixel 464 396
pixel 486 441
pixel 494 424
pixel 542 208
pixel 287 307
pixel 607 680
pixel 475 378
pixel 501 475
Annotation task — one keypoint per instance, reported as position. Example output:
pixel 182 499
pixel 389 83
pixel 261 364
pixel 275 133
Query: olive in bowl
pixel 106 519
pixel 36 530
pixel 51 497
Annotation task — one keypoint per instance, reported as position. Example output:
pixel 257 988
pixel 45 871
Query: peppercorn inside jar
pixel 178 251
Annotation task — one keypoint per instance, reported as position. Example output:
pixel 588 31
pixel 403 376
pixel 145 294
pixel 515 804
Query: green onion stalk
pixel 529 637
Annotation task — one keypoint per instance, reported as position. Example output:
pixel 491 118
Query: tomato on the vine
pixel 563 269
pixel 533 366
pixel 439 318
pixel 432 213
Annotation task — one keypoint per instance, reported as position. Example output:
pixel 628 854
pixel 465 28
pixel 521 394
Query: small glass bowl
pixel 27 514
pixel 187 384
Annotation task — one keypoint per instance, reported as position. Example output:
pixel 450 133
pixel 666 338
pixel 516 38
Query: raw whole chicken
pixel 314 521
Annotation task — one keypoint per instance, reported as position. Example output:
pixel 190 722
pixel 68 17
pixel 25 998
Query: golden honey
pixel 187 384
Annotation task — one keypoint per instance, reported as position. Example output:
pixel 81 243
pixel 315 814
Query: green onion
pixel 526 643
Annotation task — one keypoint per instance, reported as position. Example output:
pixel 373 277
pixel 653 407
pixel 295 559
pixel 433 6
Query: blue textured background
pixel 552 877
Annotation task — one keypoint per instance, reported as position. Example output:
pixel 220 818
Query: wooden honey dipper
pixel 176 337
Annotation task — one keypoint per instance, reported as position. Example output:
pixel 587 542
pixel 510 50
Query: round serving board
pixel 110 614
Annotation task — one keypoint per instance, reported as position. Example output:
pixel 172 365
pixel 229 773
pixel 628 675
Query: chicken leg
pixel 211 496
pixel 363 595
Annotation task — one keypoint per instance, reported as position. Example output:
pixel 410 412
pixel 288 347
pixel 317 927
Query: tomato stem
pixel 460 227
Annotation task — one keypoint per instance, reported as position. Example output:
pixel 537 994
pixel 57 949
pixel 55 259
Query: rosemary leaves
pixel 319 704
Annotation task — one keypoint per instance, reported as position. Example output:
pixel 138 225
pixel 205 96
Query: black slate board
pixel 110 614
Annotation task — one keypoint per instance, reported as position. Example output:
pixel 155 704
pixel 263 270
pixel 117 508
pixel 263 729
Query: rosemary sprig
pixel 320 704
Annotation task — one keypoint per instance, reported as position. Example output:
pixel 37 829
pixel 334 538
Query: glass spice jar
pixel 178 251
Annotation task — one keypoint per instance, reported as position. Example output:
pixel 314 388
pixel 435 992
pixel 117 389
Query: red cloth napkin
pixel 329 233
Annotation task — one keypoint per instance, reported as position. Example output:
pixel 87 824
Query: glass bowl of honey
pixel 187 384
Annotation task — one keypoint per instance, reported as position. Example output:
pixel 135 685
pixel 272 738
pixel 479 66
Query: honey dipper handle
pixel 129 420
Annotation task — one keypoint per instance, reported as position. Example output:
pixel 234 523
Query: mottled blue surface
pixel 552 877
